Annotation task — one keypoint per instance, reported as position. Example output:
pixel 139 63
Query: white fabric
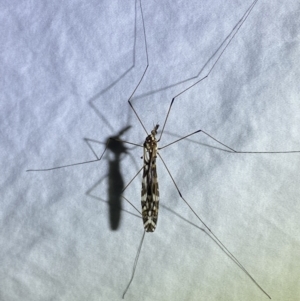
pixel 57 57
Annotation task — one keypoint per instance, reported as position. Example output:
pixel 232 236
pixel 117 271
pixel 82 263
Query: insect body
pixel 150 191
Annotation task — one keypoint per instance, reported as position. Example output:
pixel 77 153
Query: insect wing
pixel 150 192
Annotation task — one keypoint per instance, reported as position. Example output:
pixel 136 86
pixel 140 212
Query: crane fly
pixel 151 151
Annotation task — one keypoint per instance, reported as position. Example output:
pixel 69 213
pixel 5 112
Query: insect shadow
pixel 117 149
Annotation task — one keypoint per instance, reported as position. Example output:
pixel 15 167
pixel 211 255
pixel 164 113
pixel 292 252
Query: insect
pixel 187 245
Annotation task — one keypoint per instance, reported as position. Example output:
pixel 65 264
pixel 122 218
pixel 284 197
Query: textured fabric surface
pixel 67 71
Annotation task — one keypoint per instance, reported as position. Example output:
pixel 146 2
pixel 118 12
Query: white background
pixel 57 58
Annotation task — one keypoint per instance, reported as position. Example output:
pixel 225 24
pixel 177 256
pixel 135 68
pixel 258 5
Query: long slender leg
pixel 217 239
pixel 73 164
pixel 135 264
pixel 231 150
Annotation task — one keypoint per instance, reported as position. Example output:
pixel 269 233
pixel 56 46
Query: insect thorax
pixel 151 143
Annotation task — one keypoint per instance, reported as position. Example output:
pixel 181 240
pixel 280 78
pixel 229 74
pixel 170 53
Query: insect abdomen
pixel 150 205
